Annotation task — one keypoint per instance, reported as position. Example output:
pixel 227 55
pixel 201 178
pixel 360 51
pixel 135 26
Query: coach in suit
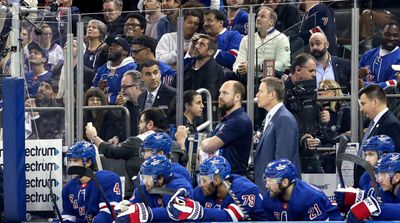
pixel 382 121
pixel 280 138
pixel 157 95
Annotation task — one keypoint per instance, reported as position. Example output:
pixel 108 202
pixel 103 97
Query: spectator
pixel 203 71
pixel 157 94
pixel 288 16
pixel 280 137
pixel 168 22
pixel 329 67
pixel 166 50
pixel 38 59
pixel 96 50
pixel 54 50
pixel 108 76
pixel 318 17
pixel 113 17
pixel 153 15
pixel 151 120
pixel 375 65
pixel 228 41
pixel 236 16
pixel 135 26
pixel 131 87
pixel 62 19
pixel 143 49
pixel 232 137
pixel 269 43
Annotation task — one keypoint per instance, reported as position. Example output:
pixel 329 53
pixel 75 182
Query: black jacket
pixel 163 98
pixel 342 71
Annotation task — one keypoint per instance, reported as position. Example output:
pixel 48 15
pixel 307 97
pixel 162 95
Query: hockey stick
pixel 236 200
pixel 364 164
pixel 83 171
pixel 53 199
pixel 162 191
pixel 343 140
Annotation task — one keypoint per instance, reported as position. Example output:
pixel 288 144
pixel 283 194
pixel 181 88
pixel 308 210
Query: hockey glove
pixel 137 212
pixel 346 197
pixel 180 208
pixel 235 212
pixel 363 210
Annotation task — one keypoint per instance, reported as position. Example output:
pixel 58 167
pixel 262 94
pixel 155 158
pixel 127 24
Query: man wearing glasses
pixel 135 26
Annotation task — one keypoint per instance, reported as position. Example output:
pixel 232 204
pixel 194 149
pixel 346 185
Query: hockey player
pixel 388 170
pixel 149 205
pixel 81 199
pixel 220 196
pixel 160 143
pixel 291 199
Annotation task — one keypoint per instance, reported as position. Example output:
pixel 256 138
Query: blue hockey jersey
pixel 33 82
pixel 380 67
pixel 307 203
pixel 113 75
pixel 247 193
pixel 158 203
pixel 239 23
pixel 82 202
pixel 228 47
pixel 178 168
pixel 390 207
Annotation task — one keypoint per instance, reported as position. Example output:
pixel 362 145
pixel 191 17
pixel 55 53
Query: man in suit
pixel 372 101
pixel 157 95
pixel 280 137
pixel 329 67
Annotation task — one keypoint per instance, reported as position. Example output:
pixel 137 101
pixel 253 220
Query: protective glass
pixel 204 179
pixel 146 179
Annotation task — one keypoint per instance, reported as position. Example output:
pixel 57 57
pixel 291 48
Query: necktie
pixel 267 120
pixel 369 129
pixel 149 101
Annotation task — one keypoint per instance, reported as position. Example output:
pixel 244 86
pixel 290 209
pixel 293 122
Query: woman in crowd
pixel 96 50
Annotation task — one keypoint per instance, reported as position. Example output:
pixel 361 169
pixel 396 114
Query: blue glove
pixel 180 208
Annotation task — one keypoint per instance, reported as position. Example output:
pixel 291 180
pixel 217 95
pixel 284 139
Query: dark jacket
pixel 163 98
pixel 342 71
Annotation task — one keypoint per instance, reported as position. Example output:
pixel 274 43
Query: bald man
pixel 329 67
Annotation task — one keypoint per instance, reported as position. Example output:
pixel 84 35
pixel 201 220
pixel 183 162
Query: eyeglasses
pixel 137 51
pixel 127 86
pixel 132 25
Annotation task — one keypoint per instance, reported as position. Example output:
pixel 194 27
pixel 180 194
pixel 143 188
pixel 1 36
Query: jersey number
pixel 249 200
pixel 117 189
pixel 314 212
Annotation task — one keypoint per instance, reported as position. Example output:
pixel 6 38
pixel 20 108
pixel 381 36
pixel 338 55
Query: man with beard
pixel 236 16
pixel 232 136
pixel 203 71
pixel 151 121
pixel 376 64
pixel 291 199
pixel 153 15
pixel 168 22
pixel 108 76
pixel 37 59
pixel 329 67
pixel 220 196
pixel 166 50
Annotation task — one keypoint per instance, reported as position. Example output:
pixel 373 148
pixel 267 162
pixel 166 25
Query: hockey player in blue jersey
pixel 220 196
pixel 161 143
pixel 147 204
pixel 81 199
pixel 388 171
pixel 290 199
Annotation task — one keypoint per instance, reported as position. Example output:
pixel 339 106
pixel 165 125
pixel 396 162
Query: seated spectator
pixel 236 16
pixel 143 49
pixel 135 26
pixel 96 50
pixel 38 59
pixel 153 15
pixel 113 17
pixel 269 43
pixel 329 67
pixel 108 122
pixel 54 50
pixel 166 50
pixel 376 64
pixel 168 22
pixel 108 77
pixel 288 16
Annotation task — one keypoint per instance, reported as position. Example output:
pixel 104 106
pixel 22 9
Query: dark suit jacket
pixel 342 71
pixel 388 125
pixel 163 98
pixel 280 140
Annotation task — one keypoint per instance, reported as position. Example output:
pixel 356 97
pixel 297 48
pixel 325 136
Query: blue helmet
pixel 84 150
pixel 157 165
pixel 214 165
pixel 158 141
pixel 380 144
pixel 281 169
pixel 388 163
